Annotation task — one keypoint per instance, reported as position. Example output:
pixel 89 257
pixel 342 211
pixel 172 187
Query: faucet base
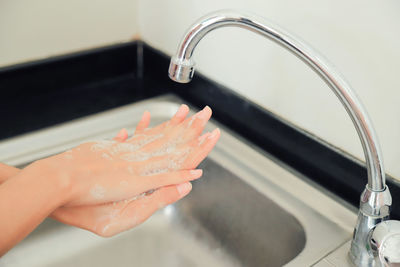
pixel 374 208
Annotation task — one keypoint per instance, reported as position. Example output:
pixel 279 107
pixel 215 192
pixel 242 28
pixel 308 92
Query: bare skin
pixel 110 186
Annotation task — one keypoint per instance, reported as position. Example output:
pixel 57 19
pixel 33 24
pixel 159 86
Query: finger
pixel 175 157
pixel 126 184
pixel 165 179
pixel 141 209
pixel 205 144
pixel 180 115
pixel 143 123
pixel 198 121
pixel 121 136
pixel 202 139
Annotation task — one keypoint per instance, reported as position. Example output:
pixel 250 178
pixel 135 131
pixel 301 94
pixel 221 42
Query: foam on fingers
pixel 205 144
pixel 139 210
pixel 132 187
pixel 199 120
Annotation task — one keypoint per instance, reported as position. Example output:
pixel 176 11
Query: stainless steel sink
pixel 247 210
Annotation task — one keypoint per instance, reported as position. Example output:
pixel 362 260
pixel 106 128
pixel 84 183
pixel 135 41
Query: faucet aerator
pixel 181 71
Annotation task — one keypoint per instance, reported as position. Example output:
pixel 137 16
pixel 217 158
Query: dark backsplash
pixel 56 90
pixel 52 91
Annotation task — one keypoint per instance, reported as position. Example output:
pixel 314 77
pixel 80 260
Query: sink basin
pixel 247 210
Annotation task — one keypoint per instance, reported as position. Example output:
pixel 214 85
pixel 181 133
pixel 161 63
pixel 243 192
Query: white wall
pixel 360 37
pixel 37 29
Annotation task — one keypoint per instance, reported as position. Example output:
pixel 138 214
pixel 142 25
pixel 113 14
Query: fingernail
pixel 184 189
pixel 196 173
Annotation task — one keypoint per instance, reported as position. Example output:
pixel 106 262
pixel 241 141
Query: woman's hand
pixel 112 218
pixel 107 186
pixel 172 147
pixel 109 171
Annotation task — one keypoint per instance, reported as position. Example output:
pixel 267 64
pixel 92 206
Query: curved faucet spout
pixel 376 199
pixel 182 69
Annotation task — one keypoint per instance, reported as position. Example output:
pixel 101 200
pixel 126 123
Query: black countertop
pixel 48 92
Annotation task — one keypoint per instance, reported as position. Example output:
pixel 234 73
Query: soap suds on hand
pixel 97 191
pixel 106 156
pixel 101 145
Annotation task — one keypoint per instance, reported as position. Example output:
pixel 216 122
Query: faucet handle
pixel 385 241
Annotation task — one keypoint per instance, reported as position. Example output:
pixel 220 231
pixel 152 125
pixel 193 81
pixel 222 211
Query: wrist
pixel 53 178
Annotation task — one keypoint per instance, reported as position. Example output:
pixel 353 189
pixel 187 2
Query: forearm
pixel 25 201
pixel 7 171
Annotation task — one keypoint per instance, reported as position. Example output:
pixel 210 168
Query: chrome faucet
pixel 367 247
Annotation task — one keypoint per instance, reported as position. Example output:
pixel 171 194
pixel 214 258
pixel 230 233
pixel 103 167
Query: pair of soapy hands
pixel 116 185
